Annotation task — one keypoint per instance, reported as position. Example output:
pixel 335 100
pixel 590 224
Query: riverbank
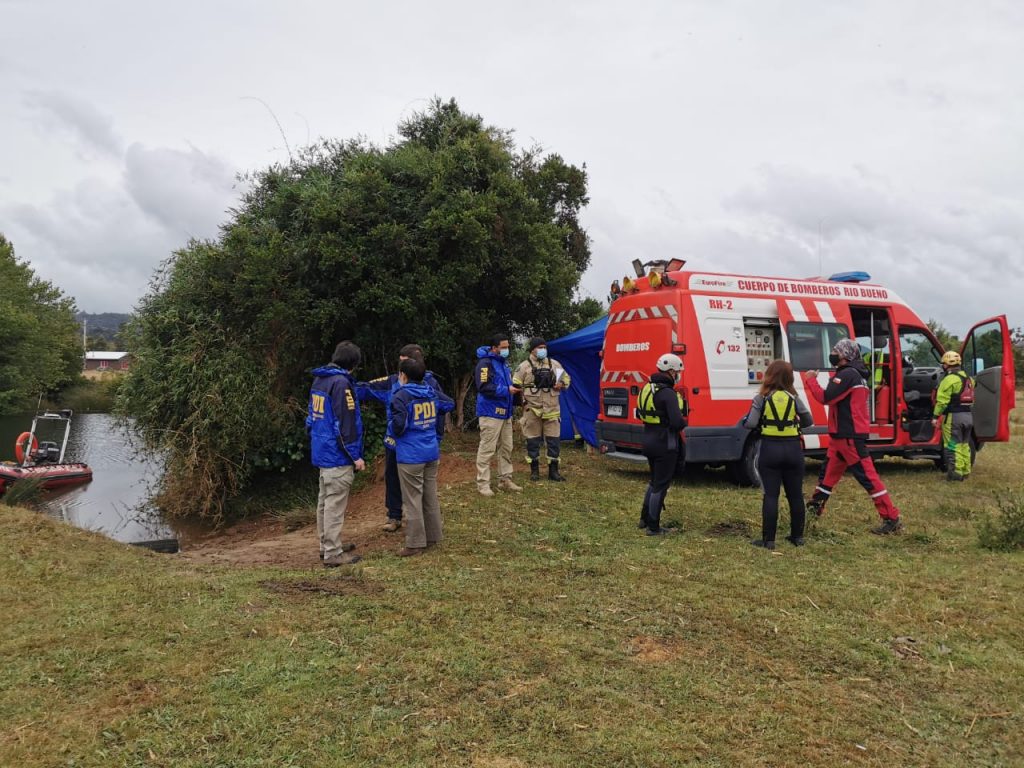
pixel 545 631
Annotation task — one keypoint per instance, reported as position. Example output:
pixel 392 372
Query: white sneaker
pixel 485 490
pixel 508 485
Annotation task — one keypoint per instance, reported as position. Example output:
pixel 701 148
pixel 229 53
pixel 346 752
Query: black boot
pixel 535 469
pixel 553 472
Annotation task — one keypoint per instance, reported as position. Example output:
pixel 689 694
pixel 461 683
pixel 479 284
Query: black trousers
pixel 663 469
pixel 781 464
pixel 553 445
pixel 392 485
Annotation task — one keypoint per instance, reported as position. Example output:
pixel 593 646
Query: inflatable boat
pixel 44 461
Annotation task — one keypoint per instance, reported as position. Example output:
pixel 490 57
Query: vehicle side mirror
pixel 908 364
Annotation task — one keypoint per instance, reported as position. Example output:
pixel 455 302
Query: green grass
pixel 546 632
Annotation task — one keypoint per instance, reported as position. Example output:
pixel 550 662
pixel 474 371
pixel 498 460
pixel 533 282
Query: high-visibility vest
pixel 645 410
pixel 879 359
pixel 957 400
pixel 778 415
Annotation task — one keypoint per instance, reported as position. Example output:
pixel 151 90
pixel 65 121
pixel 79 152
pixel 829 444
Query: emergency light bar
pixel 850 277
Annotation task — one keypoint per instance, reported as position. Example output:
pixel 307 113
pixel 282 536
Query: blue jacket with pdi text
pixel 333 421
pixel 415 410
pixel 493 385
pixel 384 388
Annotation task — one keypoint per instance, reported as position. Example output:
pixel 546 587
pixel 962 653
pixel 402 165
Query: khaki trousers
pixel 420 504
pixel 495 437
pixel 534 426
pixel 331 504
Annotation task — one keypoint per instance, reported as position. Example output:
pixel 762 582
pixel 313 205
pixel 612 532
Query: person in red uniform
pixel 848 425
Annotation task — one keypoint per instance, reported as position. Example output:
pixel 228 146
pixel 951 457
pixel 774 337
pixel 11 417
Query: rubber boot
pixel 535 469
pixel 553 472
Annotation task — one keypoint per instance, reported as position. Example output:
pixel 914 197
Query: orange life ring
pixel 22 443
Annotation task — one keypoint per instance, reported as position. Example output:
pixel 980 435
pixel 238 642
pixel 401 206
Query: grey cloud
pixel 93 129
pixel 100 241
pixel 816 202
pixel 186 192
pixel 866 210
pixel 91 242
pixel 925 95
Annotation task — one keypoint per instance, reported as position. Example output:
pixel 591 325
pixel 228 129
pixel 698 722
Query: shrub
pixel 24 493
pixel 1005 531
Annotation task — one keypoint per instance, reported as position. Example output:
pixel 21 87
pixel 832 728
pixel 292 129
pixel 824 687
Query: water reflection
pixel 115 503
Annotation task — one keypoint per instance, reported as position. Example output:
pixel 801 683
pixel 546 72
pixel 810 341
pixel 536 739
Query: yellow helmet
pixel 951 358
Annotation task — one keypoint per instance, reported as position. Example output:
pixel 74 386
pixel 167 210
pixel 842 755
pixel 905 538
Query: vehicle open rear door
pixel 987 354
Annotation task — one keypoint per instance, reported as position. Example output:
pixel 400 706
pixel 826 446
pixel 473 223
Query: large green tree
pixel 40 351
pixel 442 237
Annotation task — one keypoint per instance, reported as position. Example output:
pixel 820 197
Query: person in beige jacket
pixel 541 380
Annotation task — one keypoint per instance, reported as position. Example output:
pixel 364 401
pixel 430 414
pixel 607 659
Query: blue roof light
pixel 850 277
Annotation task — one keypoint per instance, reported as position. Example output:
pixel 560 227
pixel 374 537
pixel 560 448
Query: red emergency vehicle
pixel 728 328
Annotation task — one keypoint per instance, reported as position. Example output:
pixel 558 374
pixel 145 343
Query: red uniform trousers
pixel 853 453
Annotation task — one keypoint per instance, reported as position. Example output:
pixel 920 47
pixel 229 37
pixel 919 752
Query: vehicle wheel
pixel 744 472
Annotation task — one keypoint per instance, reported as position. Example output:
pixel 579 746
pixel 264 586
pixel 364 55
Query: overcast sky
pixel 755 137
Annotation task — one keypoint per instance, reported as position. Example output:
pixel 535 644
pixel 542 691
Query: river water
pixel 115 503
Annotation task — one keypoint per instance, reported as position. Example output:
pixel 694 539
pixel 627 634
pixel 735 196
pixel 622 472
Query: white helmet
pixel 670 362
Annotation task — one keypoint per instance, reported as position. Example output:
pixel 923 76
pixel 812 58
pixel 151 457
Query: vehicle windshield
pixel 919 349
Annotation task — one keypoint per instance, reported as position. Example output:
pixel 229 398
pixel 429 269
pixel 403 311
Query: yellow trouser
pixel 956 435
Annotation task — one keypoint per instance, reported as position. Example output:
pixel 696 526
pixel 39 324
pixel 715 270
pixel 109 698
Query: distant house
pixel 99 364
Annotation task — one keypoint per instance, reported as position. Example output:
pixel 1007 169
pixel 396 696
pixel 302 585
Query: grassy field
pixel 545 632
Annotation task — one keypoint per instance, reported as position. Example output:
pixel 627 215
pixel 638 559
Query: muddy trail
pixel 264 542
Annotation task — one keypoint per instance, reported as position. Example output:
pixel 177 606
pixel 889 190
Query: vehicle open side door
pixel 987 354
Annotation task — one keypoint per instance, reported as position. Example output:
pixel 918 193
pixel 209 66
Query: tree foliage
pixel 442 237
pixel 41 350
pixel 944 337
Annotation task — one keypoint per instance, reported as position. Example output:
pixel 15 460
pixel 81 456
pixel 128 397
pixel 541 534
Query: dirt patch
pixel 729 528
pixel 264 542
pixel 328 587
pixel 652 650
pixel 906 648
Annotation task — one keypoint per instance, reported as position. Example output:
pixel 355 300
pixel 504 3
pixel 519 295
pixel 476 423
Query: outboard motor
pixel 47 453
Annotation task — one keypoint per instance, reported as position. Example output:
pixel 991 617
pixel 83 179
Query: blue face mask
pixel 504 352
pixel 541 354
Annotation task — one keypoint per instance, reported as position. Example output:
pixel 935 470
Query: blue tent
pixel 580 354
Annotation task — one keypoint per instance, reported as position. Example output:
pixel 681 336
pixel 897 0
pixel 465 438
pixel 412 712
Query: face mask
pixel 541 354
pixel 833 359
pixel 504 352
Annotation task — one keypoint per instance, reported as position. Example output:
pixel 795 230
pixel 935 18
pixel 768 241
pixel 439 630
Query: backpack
pixel 967 392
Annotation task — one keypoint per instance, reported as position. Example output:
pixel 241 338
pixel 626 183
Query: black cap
pixel 535 342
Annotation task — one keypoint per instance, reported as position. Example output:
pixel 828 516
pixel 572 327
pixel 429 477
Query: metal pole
pixel 871 347
pixel 64 445
pixel 31 436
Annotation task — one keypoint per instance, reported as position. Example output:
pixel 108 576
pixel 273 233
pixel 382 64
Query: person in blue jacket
pixel 415 411
pixel 495 393
pixel 381 390
pixel 335 430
